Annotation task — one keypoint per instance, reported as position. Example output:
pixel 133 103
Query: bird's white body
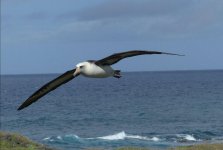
pixel 89 69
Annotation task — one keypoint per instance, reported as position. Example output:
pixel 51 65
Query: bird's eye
pixel 81 66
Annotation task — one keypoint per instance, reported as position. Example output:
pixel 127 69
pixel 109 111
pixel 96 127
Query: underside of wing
pixel 64 78
pixel 110 60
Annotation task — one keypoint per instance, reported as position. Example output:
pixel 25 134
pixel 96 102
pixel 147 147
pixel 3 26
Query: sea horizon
pixel 121 72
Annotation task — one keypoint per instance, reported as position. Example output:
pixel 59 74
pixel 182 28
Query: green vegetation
pixel 201 147
pixel 218 146
pixel 12 141
pixel 134 148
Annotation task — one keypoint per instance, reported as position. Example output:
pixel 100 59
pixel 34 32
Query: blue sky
pixel 52 36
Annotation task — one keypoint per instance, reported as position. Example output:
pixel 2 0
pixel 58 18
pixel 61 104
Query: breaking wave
pixel 186 137
pixel 120 136
pixel 117 136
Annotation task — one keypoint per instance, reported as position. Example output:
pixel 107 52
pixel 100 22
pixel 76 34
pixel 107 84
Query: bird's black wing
pixel 64 78
pixel 110 60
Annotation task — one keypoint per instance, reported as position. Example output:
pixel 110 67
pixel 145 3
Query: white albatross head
pixel 80 67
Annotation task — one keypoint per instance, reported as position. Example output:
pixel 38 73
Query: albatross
pixel 91 68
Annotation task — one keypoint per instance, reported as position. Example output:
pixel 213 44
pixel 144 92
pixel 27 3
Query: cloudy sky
pixel 51 36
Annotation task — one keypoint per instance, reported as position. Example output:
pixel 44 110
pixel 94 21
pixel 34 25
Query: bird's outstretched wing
pixel 64 78
pixel 110 60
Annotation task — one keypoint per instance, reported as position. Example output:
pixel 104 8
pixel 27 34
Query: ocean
pixel 145 109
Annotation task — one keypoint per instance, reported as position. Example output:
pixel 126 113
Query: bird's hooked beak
pixel 77 72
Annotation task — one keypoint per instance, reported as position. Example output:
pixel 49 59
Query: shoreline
pixel 15 141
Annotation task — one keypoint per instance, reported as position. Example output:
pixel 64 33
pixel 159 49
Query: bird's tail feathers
pixel 117 74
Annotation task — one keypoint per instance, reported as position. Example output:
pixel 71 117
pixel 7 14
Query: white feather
pixel 91 70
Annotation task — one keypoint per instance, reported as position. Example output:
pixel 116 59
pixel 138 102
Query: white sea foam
pixel 72 136
pixel 122 135
pixel 155 139
pixel 46 139
pixel 190 138
pixel 117 136
pixel 59 137
pixel 187 137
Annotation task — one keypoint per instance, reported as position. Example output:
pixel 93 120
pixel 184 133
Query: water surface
pixel 147 109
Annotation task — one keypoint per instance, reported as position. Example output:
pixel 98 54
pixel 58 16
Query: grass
pixel 13 141
pixel 218 146
pixel 133 148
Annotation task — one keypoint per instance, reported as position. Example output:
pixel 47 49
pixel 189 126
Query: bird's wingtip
pixel 20 107
pixel 173 54
pixel 181 55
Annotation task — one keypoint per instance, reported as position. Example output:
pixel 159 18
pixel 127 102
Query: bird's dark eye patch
pixel 81 66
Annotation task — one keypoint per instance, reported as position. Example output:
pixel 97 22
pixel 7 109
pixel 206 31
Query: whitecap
pixel 187 137
pixel 190 138
pixel 59 137
pixel 117 136
pixel 137 137
pixel 155 139
pixel 122 135
pixel 46 139
pixel 72 136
